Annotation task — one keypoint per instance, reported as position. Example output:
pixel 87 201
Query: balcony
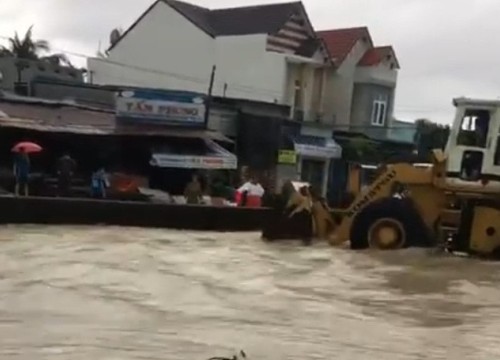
pixel 376 75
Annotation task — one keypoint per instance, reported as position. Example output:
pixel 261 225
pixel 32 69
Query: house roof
pixel 375 55
pixel 258 19
pixel 198 15
pixel 340 42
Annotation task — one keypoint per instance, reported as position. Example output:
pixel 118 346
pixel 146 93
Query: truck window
pixel 474 128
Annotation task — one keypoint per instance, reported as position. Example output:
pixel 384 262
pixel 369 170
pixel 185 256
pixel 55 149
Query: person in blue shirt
pixel 21 171
pixel 98 184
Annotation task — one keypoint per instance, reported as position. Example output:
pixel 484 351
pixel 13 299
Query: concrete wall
pixel 362 106
pixel 164 50
pixel 380 74
pixel 248 70
pixel 33 69
pixel 223 119
pixel 338 96
pixel 84 211
pixel 81 93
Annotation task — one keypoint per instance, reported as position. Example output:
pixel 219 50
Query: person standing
pixel 193 191
pixel 21 171
pixel 66 167
pixel 99 182
pixel 250 194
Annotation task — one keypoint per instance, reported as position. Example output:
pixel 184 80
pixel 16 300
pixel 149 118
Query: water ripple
pixel 115 293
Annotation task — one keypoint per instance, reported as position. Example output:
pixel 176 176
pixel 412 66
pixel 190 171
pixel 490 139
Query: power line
pixel 230 86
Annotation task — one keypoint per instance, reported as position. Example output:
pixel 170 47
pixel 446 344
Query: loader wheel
pixel 387 234
pixel 388 224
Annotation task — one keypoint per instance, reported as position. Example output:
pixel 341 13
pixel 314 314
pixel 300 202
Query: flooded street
pixel 118 293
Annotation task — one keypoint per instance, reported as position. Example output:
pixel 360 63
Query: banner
pixel 162 107
pixel 194 162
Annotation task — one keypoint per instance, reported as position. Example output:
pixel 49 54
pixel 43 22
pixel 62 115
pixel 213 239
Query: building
pixel 362 87
pixel 264 53
pixel 16 74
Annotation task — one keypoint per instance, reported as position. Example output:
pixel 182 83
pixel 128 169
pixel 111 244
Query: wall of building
pixel 380 74
pixel 338 96
pixel 81 93
pixel 164 50
pixel 247 70
pixel 362 106
pixel 33 69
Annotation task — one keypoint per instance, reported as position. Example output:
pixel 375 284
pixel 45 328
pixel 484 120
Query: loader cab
pixel 473 146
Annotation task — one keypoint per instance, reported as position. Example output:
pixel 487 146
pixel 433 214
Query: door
pixel 312 172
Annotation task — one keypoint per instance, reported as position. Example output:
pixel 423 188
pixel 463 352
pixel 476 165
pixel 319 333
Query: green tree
pixel 430 136
pixel 29 49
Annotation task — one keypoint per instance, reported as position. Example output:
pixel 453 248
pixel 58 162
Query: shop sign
pixel 165 107
pixel 194 162
pixel 287 157
pixel 331 150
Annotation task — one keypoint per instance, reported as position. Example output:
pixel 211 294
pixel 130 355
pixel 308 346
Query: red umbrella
pixel 27 146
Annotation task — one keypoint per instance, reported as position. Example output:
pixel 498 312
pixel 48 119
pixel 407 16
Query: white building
pixel 264 53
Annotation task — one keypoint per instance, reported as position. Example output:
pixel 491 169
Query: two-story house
pixel 362 86
pixel 268 53
pixel 265 53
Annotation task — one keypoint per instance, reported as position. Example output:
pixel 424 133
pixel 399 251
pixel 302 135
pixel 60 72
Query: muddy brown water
pixel 118 293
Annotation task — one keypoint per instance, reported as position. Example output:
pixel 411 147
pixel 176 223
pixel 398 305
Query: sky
pixel 446 48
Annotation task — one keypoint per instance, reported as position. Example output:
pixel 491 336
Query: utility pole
pixel 208 102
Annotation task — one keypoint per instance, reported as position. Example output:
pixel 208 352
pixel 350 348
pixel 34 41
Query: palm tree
pixel 29 49
pixel 26 48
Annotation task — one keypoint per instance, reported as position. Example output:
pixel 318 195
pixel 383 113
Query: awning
pixel 212 157
pixel 318 147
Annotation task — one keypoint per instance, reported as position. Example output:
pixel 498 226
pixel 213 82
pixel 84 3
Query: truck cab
pixel 473 153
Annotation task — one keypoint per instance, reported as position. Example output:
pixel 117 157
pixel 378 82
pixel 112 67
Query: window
pixel 474 128
pixel 379 111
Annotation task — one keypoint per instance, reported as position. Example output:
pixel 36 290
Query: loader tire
pixel 389 224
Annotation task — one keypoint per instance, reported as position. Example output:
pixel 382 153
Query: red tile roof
pixel 375 55
pixel 341 41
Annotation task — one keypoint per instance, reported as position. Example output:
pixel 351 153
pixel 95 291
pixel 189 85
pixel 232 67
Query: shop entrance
pixel 312 172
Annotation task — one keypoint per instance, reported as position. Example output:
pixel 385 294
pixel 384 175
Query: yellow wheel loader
pixel 453 203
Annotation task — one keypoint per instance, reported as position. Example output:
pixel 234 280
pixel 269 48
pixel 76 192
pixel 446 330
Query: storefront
pixel 182 145
pixel 314 155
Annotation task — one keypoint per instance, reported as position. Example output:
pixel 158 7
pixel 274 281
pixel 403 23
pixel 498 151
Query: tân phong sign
pixel 161 107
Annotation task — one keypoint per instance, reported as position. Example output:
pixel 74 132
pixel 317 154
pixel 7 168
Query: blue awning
pixel 315 146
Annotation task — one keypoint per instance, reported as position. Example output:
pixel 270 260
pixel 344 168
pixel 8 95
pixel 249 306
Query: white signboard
pixel 194 162
pixel 331 151
pixel 189 111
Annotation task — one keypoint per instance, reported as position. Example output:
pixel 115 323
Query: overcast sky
pixel 446 48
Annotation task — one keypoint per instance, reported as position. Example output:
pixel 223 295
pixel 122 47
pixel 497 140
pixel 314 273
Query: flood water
pixel 118 293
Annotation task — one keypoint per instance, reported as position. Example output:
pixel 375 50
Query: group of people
pixel 65 168
pixel 248 195
pixel 65 171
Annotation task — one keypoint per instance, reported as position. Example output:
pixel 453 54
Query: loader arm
pixel 382 187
